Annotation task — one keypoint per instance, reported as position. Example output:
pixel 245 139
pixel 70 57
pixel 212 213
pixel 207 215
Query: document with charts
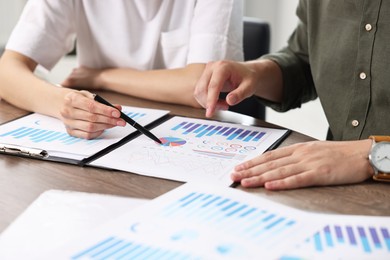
pixel 40 132
pixel 196 221
pixel 345 237
pixel 192 149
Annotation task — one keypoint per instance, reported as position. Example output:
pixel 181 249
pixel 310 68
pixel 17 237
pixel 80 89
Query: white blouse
pixel 140 34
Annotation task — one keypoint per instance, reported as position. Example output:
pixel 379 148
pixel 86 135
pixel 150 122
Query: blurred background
pixel 280 14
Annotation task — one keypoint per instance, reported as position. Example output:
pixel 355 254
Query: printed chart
pixel 348 236
pixel 196 221
pixel 47 133
pixel 192 149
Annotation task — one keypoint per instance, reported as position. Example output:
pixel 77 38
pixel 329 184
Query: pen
pixel 129 120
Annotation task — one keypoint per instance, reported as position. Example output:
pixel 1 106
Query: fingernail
pixel 235 176
pixel 116 113
pixel 232 99
pixel 239 167
pixel 120 123
pixel 245 182
pixel 208 113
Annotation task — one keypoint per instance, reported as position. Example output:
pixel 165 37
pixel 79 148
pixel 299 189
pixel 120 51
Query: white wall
pixel 309 119
pixel 9 14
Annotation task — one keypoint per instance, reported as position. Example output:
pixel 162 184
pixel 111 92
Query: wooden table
pixel 22 180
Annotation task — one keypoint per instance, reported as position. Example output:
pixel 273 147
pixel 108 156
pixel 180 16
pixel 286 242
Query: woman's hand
pixel 315 163
pixel 84 78
pixel 86 118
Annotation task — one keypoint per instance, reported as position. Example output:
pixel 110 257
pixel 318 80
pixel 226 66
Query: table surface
pixel 22 180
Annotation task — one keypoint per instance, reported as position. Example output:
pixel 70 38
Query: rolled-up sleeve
pixel 298 85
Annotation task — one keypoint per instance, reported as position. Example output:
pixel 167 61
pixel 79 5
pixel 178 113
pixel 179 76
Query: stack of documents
pixel 195 221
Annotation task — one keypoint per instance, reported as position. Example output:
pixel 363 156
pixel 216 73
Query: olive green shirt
pixel 340 51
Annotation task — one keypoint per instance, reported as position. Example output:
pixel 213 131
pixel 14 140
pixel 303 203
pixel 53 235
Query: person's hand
pixel 83 78
pixel 86 118
pixel 224 76
pixel 315 163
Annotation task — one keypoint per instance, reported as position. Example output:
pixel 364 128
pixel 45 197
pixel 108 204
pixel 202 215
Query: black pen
pixel 128 119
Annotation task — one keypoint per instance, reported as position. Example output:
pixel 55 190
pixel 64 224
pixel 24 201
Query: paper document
pixel 49 134
pixel 193 149
pixel 346 237
pixel 196 221
pixel 57 217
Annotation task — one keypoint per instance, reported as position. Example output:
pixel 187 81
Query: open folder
pixel 191 149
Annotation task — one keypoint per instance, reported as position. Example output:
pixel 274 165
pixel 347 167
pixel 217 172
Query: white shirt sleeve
pixel 216 31
pixel 44 32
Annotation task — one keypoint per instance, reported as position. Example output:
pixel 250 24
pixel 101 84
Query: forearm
pixel 20 87
pixel 171 86
pixel 269 79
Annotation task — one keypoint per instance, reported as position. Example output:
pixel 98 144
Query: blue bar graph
pixel 37 135
pixel 235 134
pixel 351 236
pixel 205 131
pixel 226 213
pixel 213 211
pixel 199 129
pixel 134 115
pixel 259 136
pixel 245 133
pixel 251 135
pixel 222 130
pixel 117 248
pixel 230 133
pixel 191 129
pixel 214 131
pixel 366 239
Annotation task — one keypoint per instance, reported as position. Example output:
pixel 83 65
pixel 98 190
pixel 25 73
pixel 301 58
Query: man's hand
pixel 224 76
pixel 316 163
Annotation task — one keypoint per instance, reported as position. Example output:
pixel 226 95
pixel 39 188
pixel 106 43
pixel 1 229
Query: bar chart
pixel 359 237
pixel 37 135
pixel 49 134
pixel 117 248
pixel 200 224
pixel 226 214
pixel 193 149
pixel 229 133
pixel 364 239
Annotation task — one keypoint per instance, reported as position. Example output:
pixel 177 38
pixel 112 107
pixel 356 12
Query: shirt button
pixel 362 75
pixel 355 123
pixel 368 27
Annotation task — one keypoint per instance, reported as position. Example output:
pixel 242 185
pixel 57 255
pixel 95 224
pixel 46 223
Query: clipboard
pixel 42 137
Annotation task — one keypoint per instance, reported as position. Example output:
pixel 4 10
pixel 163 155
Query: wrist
pixel 269 80
pixel 100 81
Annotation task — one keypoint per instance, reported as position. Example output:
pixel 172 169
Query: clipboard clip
pixel 19 150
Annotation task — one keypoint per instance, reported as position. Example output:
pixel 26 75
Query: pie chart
pixel 172 141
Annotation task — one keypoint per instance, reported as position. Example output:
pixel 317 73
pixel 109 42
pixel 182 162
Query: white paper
pixel 63 224
pixel 196 221
pixel 346 237
pixel 49 134
pixel 57 217
pixel 192 151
